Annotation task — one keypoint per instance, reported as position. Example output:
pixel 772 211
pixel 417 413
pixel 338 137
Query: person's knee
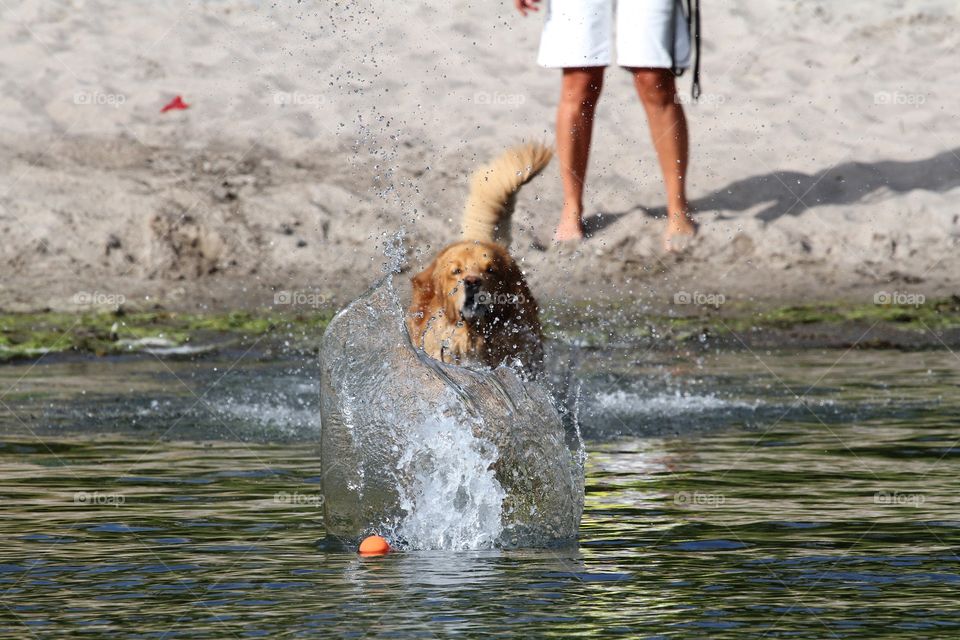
pixel 582 87
pixel 656 87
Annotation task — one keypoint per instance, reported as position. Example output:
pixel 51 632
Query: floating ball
pixel 374 546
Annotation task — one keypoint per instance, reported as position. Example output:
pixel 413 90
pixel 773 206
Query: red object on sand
pixel 176 103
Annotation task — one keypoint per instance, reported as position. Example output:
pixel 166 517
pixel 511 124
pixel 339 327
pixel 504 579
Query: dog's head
pixel 471 281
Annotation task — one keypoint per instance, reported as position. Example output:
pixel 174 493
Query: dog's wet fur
pixel 472 305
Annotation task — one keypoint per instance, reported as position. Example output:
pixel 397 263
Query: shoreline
pixel 26 337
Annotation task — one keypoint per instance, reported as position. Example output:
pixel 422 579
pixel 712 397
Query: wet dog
pixel 472 305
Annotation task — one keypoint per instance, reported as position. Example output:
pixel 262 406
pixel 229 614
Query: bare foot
pixel 570 227
pixel 679 232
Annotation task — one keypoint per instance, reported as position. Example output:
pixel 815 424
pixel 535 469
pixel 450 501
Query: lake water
pixel 778 494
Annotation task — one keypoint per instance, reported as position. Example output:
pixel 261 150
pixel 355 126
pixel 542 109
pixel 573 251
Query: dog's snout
pixel 473 298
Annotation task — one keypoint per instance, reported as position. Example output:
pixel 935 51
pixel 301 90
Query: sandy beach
pixel 824 165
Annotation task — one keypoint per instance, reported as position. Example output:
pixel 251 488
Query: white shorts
pixel 579 33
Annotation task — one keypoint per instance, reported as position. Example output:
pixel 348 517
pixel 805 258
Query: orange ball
pixel 374 546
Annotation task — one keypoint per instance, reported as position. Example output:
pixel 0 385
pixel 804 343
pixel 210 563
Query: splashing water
pixel 455 499
pixel 434 455
pixel 664 404
pixel 395 252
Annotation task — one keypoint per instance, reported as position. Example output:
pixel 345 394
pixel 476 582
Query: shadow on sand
pixel 793 192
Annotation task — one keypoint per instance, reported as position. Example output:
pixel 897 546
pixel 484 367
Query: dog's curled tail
pixel 493 189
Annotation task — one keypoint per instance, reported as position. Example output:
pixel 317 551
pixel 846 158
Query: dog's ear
pixel 423 287
pixel 525 304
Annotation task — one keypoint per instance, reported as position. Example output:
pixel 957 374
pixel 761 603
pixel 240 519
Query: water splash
pixel 455 500
pixel 395 252
pixel 664 404
pixel 439 456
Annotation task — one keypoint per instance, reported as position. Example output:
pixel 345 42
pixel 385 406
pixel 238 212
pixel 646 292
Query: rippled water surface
pixel 812 494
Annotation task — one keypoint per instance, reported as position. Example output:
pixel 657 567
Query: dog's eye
pixel 489 269
pixel 457 271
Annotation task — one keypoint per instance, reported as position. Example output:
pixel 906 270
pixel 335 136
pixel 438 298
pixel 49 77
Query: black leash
pixel 693 28
pixel 693 11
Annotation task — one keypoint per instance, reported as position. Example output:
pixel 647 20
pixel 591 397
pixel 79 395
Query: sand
pixel 825 164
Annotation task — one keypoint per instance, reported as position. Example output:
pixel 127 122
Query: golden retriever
pixel 472 305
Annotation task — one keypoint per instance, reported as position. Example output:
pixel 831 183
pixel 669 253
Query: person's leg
pixel 668 127
pixel 580 90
